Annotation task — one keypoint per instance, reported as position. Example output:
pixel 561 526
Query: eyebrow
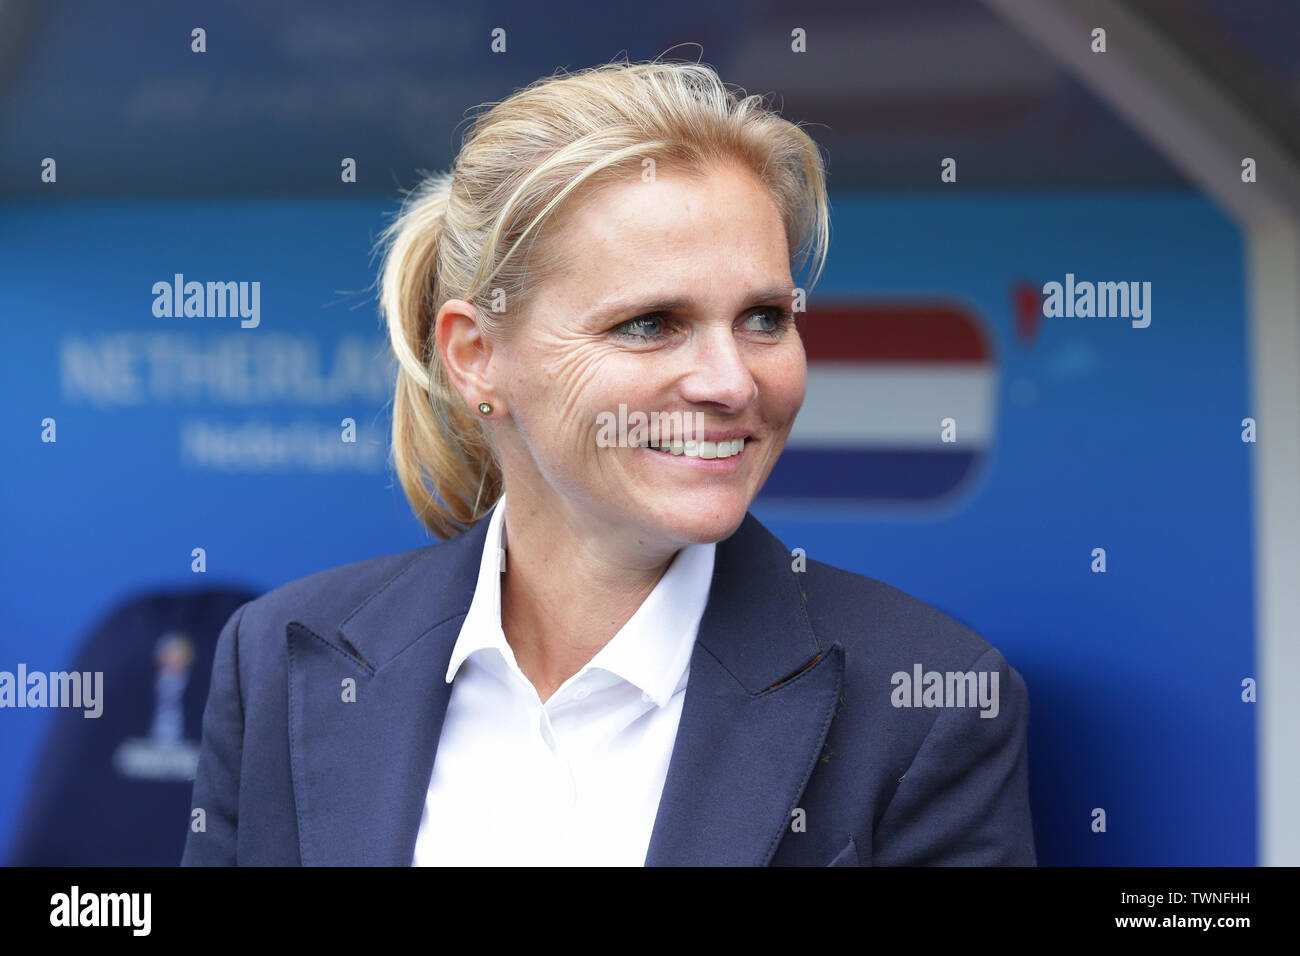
pixel 677 303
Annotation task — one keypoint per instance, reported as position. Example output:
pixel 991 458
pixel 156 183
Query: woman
pixel 609 661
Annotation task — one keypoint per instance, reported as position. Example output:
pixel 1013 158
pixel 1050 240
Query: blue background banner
pixel 192 432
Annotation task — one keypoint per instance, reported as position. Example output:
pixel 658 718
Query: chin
pixel 705 521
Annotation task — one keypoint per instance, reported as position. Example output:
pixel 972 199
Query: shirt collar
pixel 482 626
pixel 652 650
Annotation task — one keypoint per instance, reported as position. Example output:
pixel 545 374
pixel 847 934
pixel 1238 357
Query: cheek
pixel 576 391
pixel 558 394
pixel 782 382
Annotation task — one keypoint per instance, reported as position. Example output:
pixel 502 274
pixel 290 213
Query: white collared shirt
pixel 577 780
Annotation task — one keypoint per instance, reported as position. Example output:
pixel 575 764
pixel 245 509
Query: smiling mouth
pixel 699 449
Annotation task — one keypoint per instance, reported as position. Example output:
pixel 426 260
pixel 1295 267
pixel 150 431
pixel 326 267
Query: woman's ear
pixel 465 351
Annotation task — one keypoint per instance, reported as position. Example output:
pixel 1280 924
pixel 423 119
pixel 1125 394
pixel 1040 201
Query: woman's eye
pixel 642 327
pixel 771 320
pixel 774 320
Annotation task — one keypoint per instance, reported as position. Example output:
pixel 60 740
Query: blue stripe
pixel 888 474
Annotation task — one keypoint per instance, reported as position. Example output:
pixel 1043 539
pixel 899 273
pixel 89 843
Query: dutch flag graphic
pixel 882 377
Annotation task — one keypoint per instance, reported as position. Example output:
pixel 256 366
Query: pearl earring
pixel 485 408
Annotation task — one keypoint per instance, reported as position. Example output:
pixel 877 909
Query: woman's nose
pixel 720 374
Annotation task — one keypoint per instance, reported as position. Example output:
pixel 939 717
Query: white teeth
pixel 700 449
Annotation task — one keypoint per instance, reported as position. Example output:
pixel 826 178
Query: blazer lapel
pixel 361 768
pixel 759 701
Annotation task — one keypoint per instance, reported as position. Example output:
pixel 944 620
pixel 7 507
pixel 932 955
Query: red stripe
pixel 892 332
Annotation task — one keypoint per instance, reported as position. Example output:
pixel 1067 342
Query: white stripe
pixel 1274 347
pixel 887 403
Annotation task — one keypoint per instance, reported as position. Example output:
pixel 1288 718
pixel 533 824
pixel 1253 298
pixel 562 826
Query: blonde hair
pixel 470 234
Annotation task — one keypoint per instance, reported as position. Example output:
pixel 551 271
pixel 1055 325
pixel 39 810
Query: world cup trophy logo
pixel 165 754
pixel 173 656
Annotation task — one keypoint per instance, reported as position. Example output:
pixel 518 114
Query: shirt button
pixel 646 698
pixel 581 693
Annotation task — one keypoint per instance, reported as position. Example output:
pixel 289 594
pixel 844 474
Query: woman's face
pixel 672 296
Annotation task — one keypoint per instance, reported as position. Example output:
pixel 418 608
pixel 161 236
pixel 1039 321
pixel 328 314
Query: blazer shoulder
pixel 872 618
pixel 322 599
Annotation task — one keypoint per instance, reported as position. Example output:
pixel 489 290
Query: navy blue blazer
pixel 792 749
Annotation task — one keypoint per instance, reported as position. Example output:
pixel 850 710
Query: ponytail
pixel 437 441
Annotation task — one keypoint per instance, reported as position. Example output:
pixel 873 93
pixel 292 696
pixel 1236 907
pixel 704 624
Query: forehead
pixel 717 228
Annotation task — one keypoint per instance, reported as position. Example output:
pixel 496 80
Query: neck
pixel 552 559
